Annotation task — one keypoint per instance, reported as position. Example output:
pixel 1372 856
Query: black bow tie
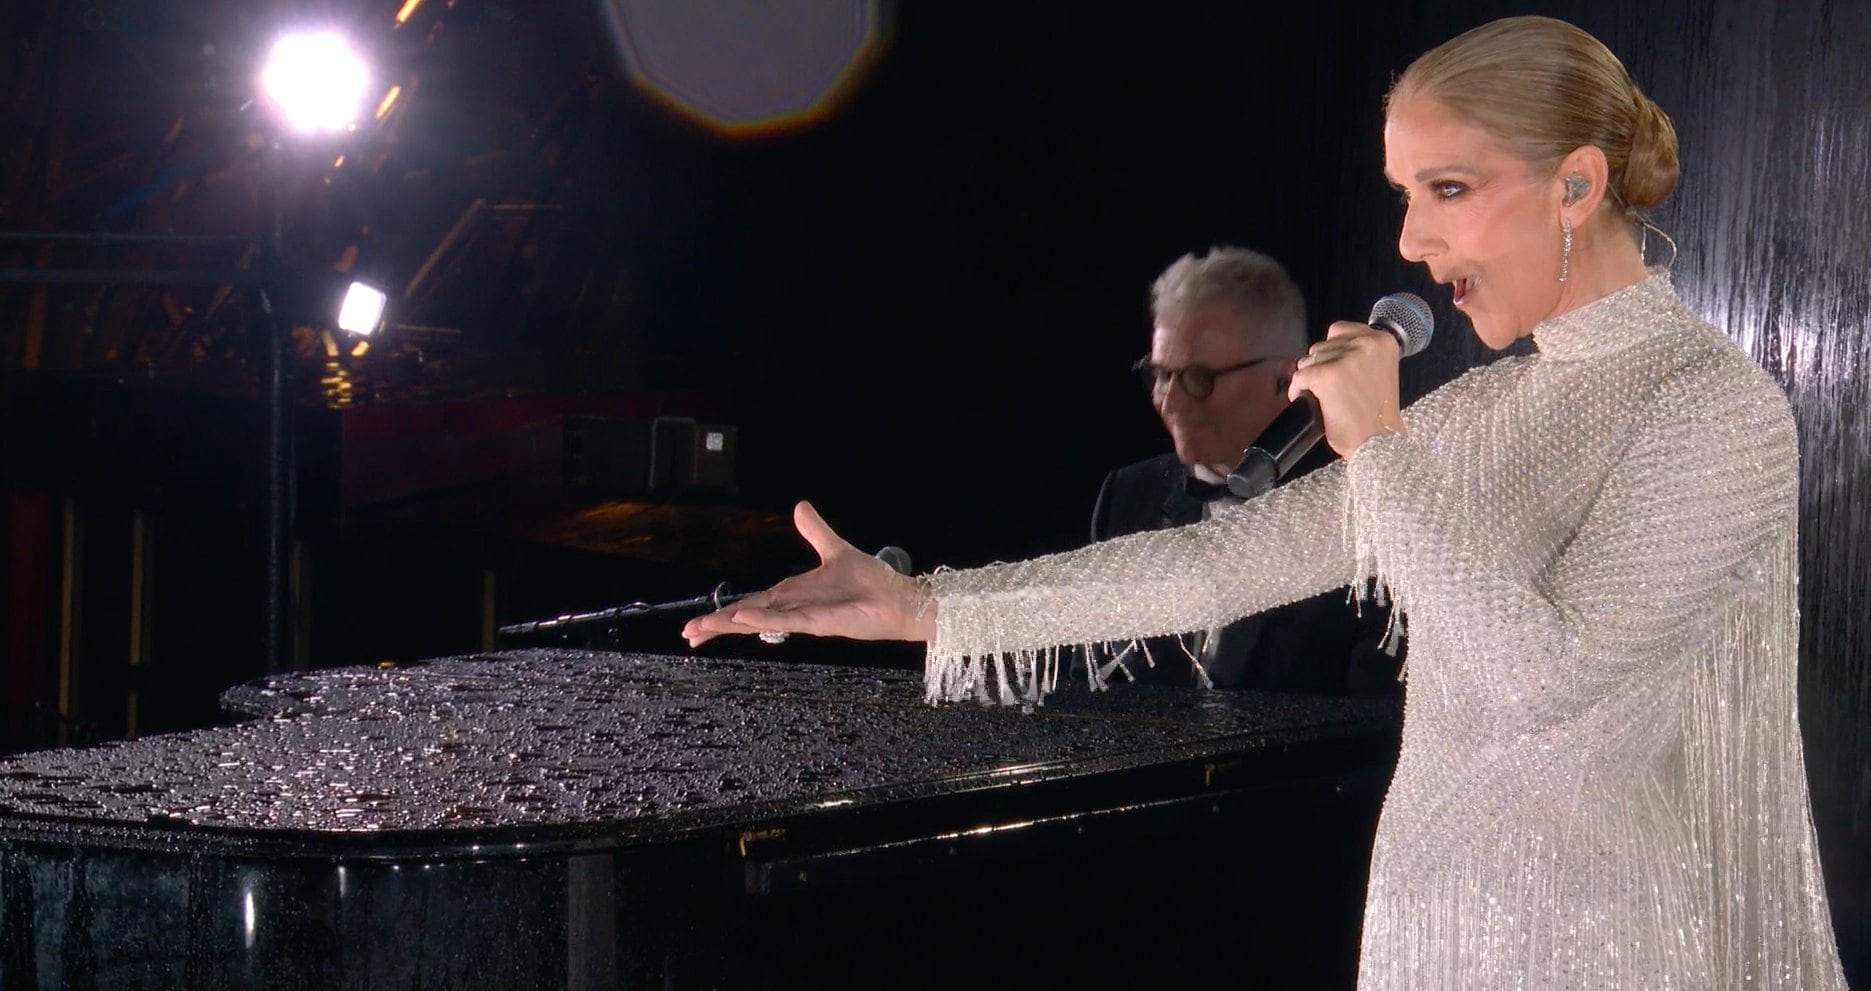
pixel 1202 491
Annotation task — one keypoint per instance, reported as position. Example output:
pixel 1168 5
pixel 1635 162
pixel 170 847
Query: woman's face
pixel 1474 214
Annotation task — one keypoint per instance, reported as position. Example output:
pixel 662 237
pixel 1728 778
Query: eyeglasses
pixel 1196 380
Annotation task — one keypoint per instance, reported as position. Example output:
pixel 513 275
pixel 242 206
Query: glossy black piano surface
pixel 559 819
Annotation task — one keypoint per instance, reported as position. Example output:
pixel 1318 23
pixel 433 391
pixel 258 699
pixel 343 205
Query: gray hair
pixel 1253 283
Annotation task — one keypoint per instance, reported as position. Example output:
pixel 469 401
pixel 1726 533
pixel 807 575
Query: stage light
pixel 313 82
pixel 316 80
pixel 362 311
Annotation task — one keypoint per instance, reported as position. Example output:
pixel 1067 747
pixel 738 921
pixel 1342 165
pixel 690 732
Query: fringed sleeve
pixel 1692 558
pixel 999 628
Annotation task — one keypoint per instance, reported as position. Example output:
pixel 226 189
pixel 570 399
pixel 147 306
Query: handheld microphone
pixel 896 557
pixel 1299 427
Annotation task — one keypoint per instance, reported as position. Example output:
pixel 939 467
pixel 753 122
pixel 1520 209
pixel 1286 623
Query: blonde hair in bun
pixel 1543 88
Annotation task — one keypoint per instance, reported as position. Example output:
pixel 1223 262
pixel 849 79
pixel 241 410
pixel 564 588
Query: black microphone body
pixel 1279 448
pixel 1300 426
pixel 896 557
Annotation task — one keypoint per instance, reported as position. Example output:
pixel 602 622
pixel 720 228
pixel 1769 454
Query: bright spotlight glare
pixel 362 310
pixel 317 81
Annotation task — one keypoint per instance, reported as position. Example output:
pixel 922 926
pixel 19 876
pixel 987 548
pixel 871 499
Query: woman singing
pixel 1601 782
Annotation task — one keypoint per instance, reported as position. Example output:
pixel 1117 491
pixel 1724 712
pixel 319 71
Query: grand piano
pixel 571 819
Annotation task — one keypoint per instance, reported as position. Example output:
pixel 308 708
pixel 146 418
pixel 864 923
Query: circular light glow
pixel 316 80
pixel 747 69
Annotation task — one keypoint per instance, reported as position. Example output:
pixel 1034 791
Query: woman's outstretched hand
pixel 850 594
pixel 1353 375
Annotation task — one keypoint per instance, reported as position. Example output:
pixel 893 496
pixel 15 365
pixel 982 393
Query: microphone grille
pixel 1406 315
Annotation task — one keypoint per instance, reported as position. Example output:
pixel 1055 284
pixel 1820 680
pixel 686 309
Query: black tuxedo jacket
pixel 1320 645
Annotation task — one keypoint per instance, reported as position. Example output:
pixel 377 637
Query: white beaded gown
pixel 1594 546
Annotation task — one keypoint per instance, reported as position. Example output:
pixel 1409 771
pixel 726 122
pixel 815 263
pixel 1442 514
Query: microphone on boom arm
pixel 1299 427
pixel 896 557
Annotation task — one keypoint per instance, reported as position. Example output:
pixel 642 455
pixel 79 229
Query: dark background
pixel 917 309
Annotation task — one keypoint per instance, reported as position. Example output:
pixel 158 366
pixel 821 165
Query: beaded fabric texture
pixel 1601 783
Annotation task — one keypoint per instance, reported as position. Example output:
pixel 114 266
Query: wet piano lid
pixel 579 746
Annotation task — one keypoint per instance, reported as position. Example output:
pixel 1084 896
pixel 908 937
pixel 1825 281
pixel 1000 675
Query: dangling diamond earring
pixel 1565 255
